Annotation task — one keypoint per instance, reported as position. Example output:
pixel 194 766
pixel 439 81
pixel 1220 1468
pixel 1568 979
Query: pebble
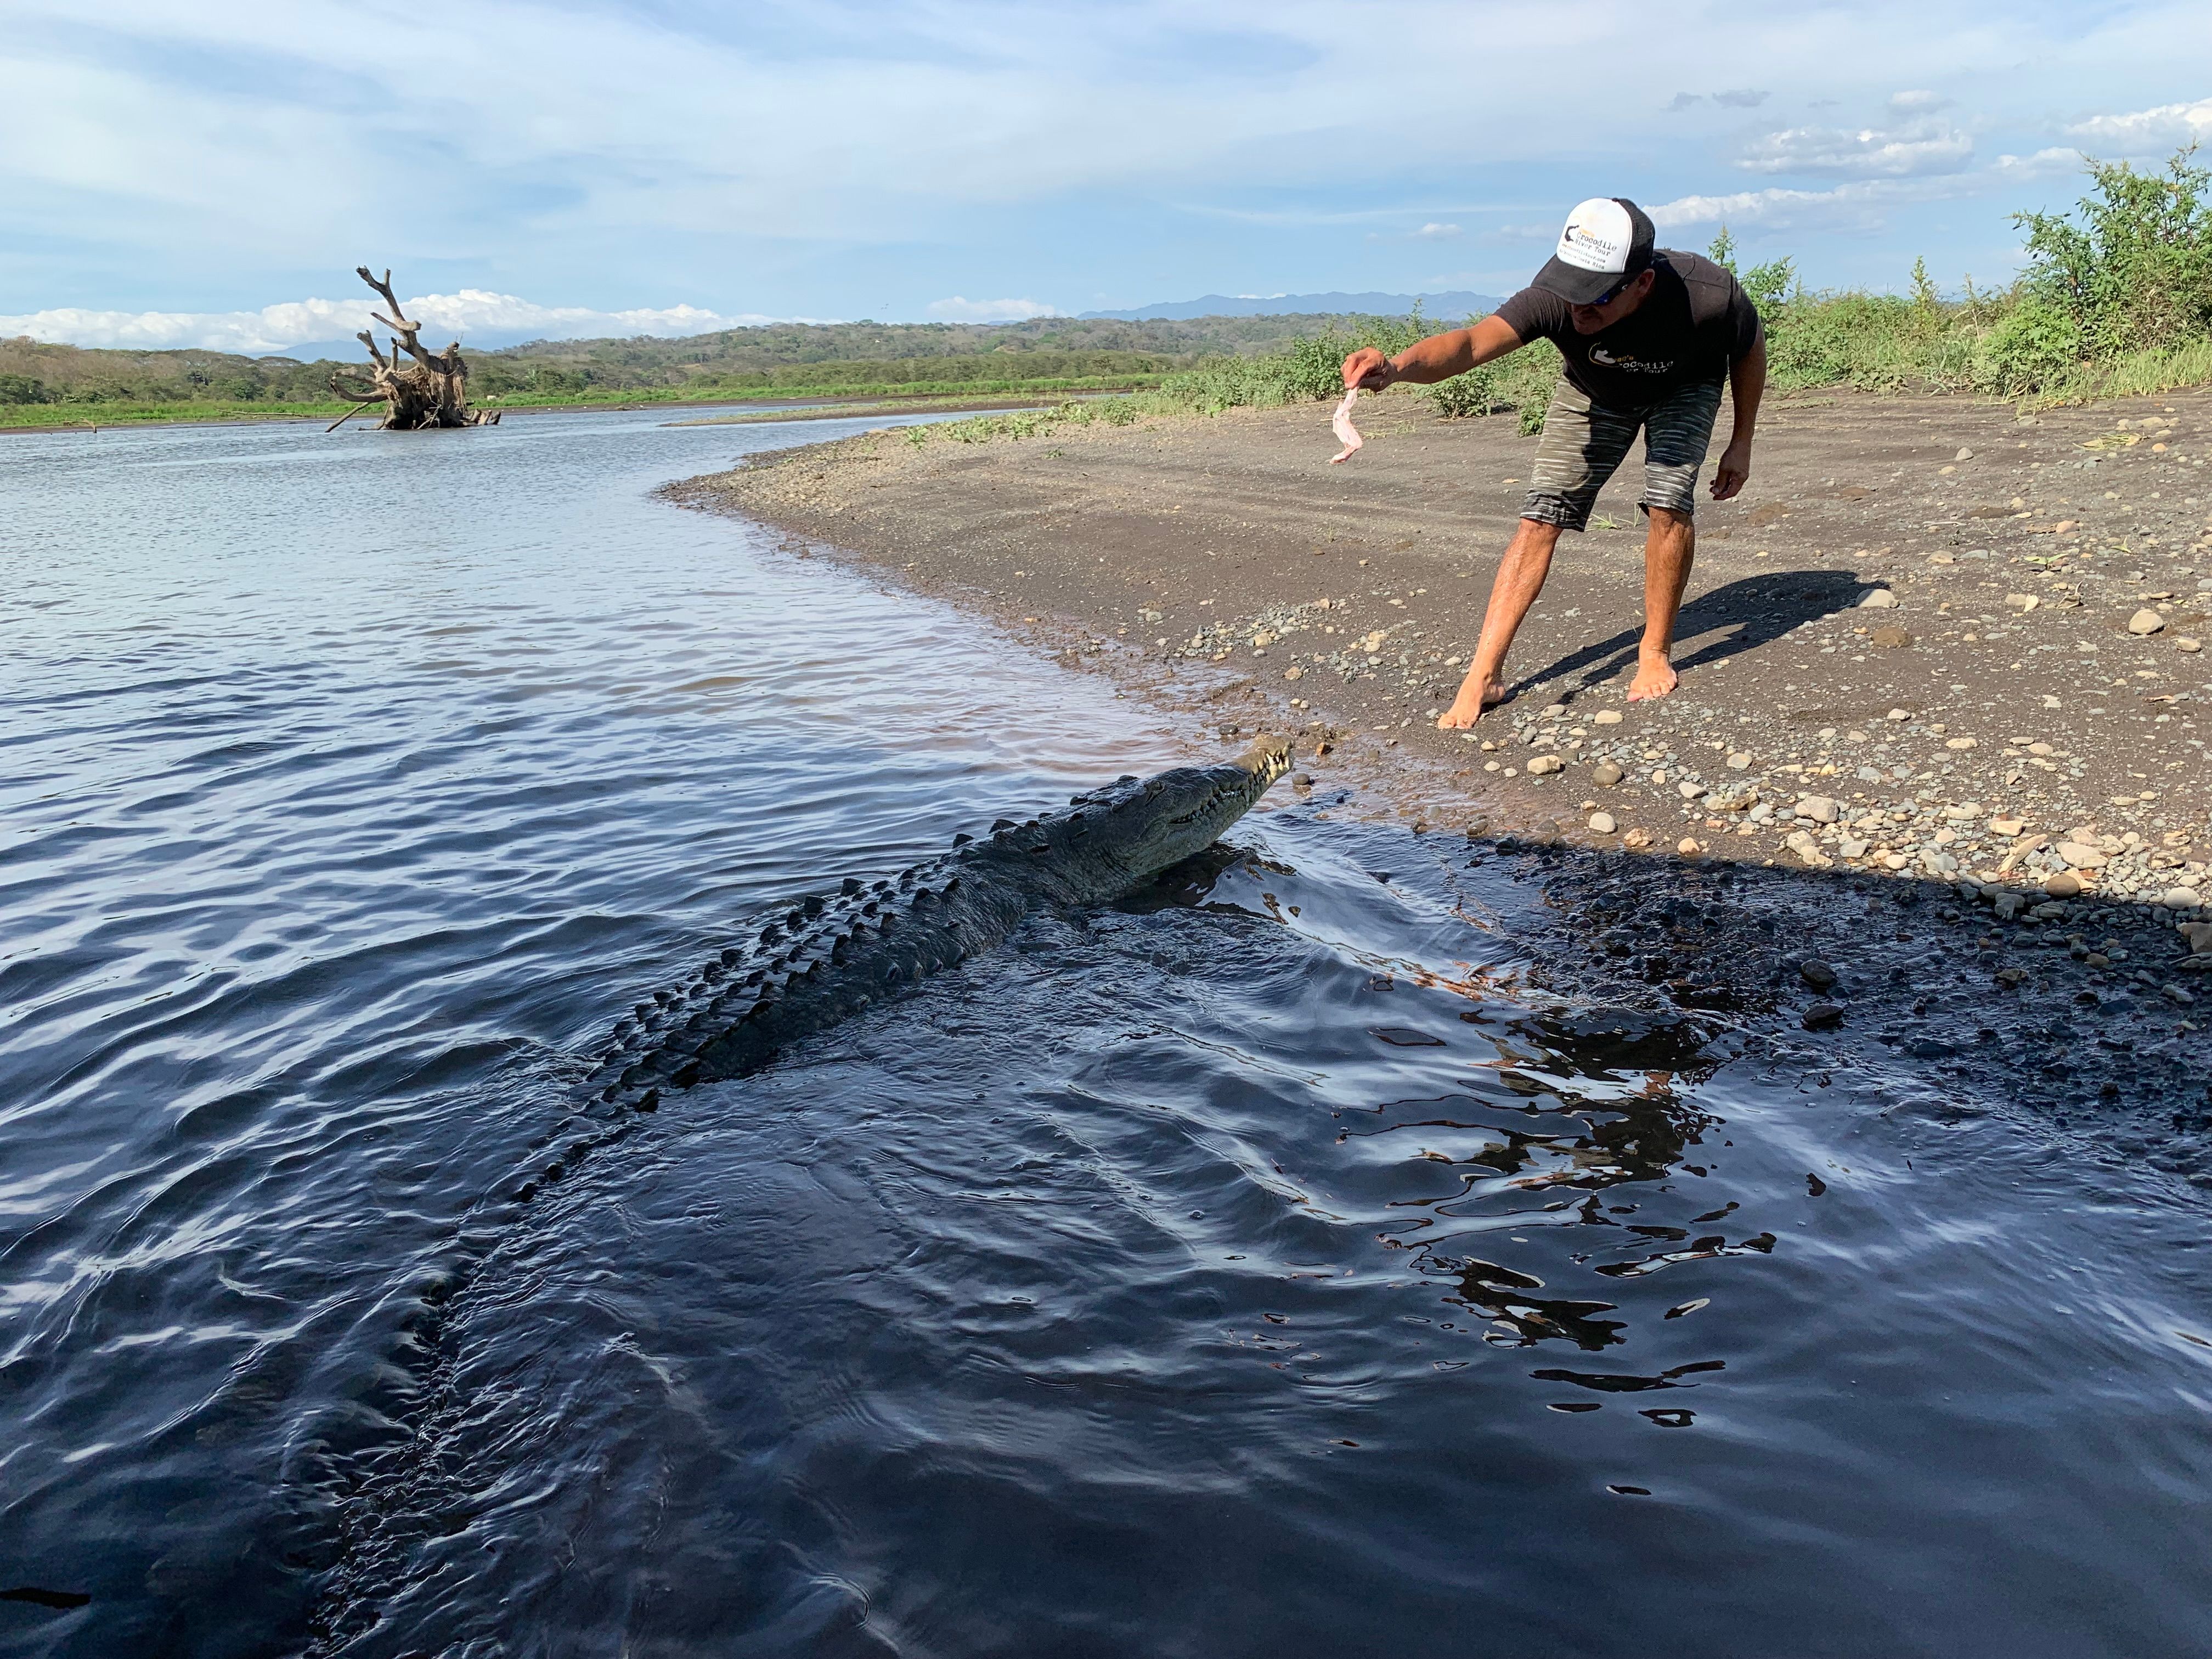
pixel 1294 673
pixel 2082 856
pixel 1800 842
pixel 1606 717
pixel 1879 599
pixel 2064 885
pixel 1818 808
pixel 1823 1016
pixel 2199 936
pixel 2022 602
pixel 1817 973
pixel 1606 773
pixel 2145 622
pixel 1964 454
pixel 1685 847
pixel 2180 898
pixel 1890 639
pixel 1544 765
pixel 1960 743
pixel 1603 822
pixel 2189 645
pixel 2007 827
pixel 1739 762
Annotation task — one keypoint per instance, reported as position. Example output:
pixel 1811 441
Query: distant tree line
pixel 813 355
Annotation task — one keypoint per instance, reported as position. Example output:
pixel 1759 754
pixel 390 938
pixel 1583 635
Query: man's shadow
pixel 1744 614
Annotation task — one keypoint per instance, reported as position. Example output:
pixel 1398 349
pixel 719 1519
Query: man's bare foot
pixel 1468 708
pixel 1655 677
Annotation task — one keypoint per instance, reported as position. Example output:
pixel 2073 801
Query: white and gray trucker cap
pixel 1606 240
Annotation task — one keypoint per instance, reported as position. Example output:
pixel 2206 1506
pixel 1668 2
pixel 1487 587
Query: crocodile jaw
pixel 1122 836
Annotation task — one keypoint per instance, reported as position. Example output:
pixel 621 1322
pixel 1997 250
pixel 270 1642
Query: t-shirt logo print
pixel 1628 364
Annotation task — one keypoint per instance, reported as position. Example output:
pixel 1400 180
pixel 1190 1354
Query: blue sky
pixel 187 174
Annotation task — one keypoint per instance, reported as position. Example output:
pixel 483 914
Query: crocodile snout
pixel 1267 759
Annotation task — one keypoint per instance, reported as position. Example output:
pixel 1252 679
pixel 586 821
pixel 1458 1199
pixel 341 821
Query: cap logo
pixel 1597 237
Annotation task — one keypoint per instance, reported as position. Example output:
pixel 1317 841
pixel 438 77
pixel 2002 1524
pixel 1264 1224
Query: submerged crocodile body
pixel 828 959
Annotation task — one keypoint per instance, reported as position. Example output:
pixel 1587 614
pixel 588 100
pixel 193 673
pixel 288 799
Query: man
pixel 1648 335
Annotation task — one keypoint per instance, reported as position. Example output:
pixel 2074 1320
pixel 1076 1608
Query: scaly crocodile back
pixel 825 959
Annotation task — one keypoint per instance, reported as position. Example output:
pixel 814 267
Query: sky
pixel 174 172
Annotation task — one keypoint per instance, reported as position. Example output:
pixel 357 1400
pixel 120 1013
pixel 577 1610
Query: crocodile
pixel 828 957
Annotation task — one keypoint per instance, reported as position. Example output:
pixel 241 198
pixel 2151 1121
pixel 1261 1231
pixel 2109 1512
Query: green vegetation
pixel 2116 301
pixel 1043 348
pixel 59 384
pixel 898 379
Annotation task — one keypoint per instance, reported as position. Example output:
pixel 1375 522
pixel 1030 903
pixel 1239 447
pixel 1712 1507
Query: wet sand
pixel 1891 794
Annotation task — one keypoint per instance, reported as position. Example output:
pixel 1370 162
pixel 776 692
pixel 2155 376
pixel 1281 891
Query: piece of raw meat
pixel 1340 423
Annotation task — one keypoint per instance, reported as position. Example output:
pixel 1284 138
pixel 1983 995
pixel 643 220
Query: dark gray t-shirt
pixel 1696 322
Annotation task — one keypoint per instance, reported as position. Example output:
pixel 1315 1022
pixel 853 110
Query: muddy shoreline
pixel 1894 803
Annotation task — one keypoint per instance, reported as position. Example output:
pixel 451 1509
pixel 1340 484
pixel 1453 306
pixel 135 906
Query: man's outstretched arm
pixel 1746 386
pixel 1436 358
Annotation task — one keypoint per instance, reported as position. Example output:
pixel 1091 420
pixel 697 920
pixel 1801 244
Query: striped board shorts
pixel 1584 443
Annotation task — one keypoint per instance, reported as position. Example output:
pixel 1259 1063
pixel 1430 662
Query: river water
pixel 1255 1267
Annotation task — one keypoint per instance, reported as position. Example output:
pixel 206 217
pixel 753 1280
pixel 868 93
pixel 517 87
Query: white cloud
pixel 277 328
pixel 1435 232
pixel 1917 103
pixel 1783 207
pixel 1920 147
pixel 2169 126
pixel 960 310
pixel 1745 98
pixel 2043 164
pixel 610 148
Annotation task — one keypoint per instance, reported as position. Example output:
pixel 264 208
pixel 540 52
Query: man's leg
pixel 1520 578
pixel 1581 446
pixel 1676 433
pixel 1669 544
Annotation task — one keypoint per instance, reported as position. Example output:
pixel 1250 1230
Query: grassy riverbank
pixel 48 385
pixel 889 400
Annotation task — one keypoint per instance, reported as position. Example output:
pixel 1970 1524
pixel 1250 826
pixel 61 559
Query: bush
pixel 1521 383
pixel 2136 271
pixel 2032 348
pixel 23 389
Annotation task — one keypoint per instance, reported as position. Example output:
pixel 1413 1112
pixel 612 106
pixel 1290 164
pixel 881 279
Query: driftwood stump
pixel 430 391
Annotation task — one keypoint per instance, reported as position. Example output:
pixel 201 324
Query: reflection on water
pixel 1251 1267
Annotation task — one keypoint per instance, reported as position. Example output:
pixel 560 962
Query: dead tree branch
pixel 431 391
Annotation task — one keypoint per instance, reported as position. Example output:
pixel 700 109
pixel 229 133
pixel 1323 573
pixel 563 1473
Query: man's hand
pixel 1369 368
pixel 1729 477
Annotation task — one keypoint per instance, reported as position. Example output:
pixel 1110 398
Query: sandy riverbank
pixel 1856 630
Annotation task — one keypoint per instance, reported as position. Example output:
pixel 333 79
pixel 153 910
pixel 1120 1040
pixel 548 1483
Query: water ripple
pixel 1255 1267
